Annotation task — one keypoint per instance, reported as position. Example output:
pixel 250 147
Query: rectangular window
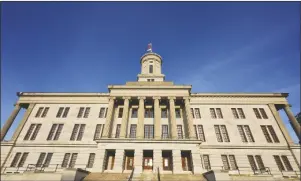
pixel 192 113
pixel 36 131
pixel 45 112
pixel 73 160
pixel 120 112
pixel 133 131
pixel 66 111
pixel 74 132
pixel 269 133
pixel 235 113
pixel 263 113
pixel 259 162
pixel 206 162
pixel 39 112
pixel 218 133
pixel 134 112
pixel 117 131
pixel 91 160
pixel 256 113
pixel 266 134
pixel 32 131
pixel 97 131
pixel 29 132
pixel 102 112
pixel 241 113
pixel 59 113
pixel 58 132
pixel 201 133
pixel 252 162
pixel 212 112
pixel 245 133
pixel 225 161
pixel 148 131
pixel 48 159
pixel 81 132
pixel 41 159
pixel 233 162
pixel 149 113
pixel 249 133
pixel 51 133
pixel 15 160
pixel 242 133
pixel 273 134
pixel 225 133
pixel 23 159
pixel 164 131
pixel 180 131
pixel 80 112
pixel 87 111
pixel 178 113
pixel 287 163
pixel 219 113
pixel 279 163
pixel 221 133
pixel 66 160
pixel 164 113
pixel 197 113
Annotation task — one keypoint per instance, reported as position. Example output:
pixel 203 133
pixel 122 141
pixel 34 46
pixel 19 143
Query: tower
pixel 151 65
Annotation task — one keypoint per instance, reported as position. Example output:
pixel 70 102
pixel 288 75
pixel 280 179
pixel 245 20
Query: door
pixel 147 163
pixel 184 163
pixel 130 163
pixel 166 164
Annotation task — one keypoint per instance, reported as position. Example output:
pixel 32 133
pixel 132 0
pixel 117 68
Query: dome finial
pixel 149 47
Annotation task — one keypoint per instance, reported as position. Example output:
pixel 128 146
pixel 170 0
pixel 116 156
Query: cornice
pixel 239 94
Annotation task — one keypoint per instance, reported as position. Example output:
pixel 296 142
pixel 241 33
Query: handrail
pixel 158 174
pixel 132 173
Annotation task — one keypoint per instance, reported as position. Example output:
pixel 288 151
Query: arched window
pixel 150 69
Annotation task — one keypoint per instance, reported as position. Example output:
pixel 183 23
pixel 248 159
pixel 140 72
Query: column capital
pixel 126 97
pixel 171 98
pixel 156 97
pixel 112 98
pixel 142 97
pixel 186 98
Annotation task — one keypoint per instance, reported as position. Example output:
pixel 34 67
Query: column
pixel 177 162
pixel 140 126
pixel 189 123
pixel 172 114
pixel 293 120
pixel 23 121
pixel 196 161
pixel 157 154
pixel 118 161
pixel 157 118
pixel 281 124
pixel 138 161
pixel 10 121
pixel 108 124
pixel 125 116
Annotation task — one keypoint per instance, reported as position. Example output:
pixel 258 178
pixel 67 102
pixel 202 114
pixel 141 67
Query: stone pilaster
pixel 296 126
pixel 172 115
pixel 157 156
pixel 118 161
pixel 138 158
pixel 23 121
pixel 125 118
pixel 157 118
pixel 177 162
pixel 10 121
pixel 140 126
pixel 98 165
pixel 189 123
pixel 281 124
pixel 108 124
pixel 196 161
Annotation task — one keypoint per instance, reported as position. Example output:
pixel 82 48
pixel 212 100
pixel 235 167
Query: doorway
pixel 147 159
pixel 129 160
pixel 109 159
pixel 186 160
pixel 167 160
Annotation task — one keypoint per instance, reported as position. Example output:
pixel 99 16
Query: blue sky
pixel 214 46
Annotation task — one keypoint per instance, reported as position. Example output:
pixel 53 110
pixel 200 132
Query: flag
pixel 149 47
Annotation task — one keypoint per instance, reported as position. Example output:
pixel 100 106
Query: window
pixel 149 113
pixel 148 131
pixel 42 111
pixel 238 113
pixel 150 69
pixel 63 111
pixel 98 130
pixel 212 112
pixel 245 133
pixel 221 133
pixel 229 159
pixel 206 162
pixel 66 160
pixel 180 131
pixel 42 159
pixel 234 112
pixel 253 161
pixel 225 161
pixel 32 131
pixel 241 113
pixel 164 113
pixel 201 134
pixel 216 113
pixel 134 112
pixel 117 131
pixel 102 112
pixel 83 112
pixel 77 132
pixel 120 112
pixel 164 132
pixel 133 131
pixel 15 160
pixel 178 113
pixel 192 112
pixel 269 133
pixel 91 160
pixel 197 113
pixel 55 131
pixel 219 113
pixel 23 159
pixel 260 113
pixel 280 164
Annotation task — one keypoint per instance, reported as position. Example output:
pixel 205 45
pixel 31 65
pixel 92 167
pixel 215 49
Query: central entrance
pixel 148 160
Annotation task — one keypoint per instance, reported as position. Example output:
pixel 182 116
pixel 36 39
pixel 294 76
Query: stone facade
pixel 133 120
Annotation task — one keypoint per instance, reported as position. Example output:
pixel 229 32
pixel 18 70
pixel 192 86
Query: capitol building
pixel 150 129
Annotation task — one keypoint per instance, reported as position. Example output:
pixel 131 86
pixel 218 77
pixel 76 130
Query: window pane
pixel 36 131
pixel 29 132
pixel 23 159
pixel 242 134
pixel 58 132
pixel 273 134
pixel 191 112
pixel 117 131
pixel 74 132
pixel 91 160
pixel 15 160
pixel 39 112
pixel 45 112
pixel 150 69
pixel 257 113
pixel 266 134
pixel 218 133
pixel 120 112
pixel 219 113
pixel 252 162
pixel 249 133
pixel 60 111
pixel 225 162
pixel 66 112
pixel 164 131
pixel 81 132
pixel 97 131
pixel 278 162
pixel 225 133
pixel 259 162
pixel 133 131
pixel 241 113
pixel 212 112
pixel 102 112
pixel 197 113
pixel 134 112
pixel 51 133
pixel 264 115
pixel 87 111
pixel 201 133
pixel 287 163
pixel 178 113
pixel 41 159
pixel 234 112
pixel 65 160
pixel 48 159
pixel 80 112
pixel 73 160
pixel 180 132
pixel 164 113
pixel 195 131
pixel 206 162
pixel 233 162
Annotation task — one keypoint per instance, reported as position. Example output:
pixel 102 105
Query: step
pixel 107 176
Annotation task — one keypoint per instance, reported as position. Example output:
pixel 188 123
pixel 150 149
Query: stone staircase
pixel 182 177
pixel 107 177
